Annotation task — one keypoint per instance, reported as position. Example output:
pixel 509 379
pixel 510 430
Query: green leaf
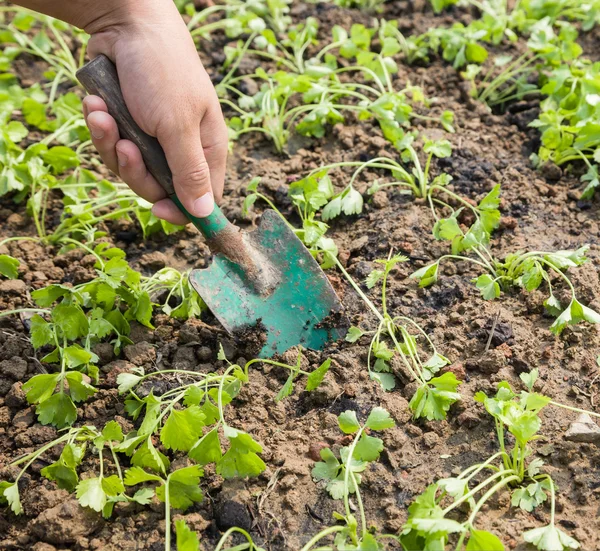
pixel 58 410
pixel 112 432
pixel 71 321
pixel 182 429
pixel 241 459
pixel 329 468
pixel 550 538
pixel 317 376
pixel 63 471
pixel 373 278
pixel 447 228
pixel 137 475
pixel 532 275
pixel 149 457
pixel 434 399
pixel 427 275
pixel 530 378
pixel 207 449
pixel 10 492
pixel 187 540
pixel 61 158
pixel 490 289
pixel 530 497
pixel 40 387
pixel 127 381
pixel 482 540
pixel 368 448
pixel 379 419
pixel 91 494
pixel 348 422
pixel 354 333
pixel 352 202
pixel 184 487
pixel 41 332
pixel 78 388
pixel 440 148
pixel 9 266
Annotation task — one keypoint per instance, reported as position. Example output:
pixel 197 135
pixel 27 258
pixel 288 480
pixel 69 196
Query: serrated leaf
pixel 207 449
pixel 10 492
pixel 482 540
pixel 241 459
pixel 40 387
pixel 182 429
pixel 354 333
pixel 379 419
pixel 368 448
pixel 317 376
pixel 187 540
pixel 489 288
pixel 184 487
pixel 348 422
pixel 58 410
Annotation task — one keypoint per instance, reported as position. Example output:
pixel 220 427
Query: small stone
pixel 468 419
pixel 458 369
pixel 105 352
pixel 140 353
pixel 24 418
pixel 13 286
pixel 65 523
pixel 204 354
pixel 314 450
pixel 584 429
pixel 154 261
pixel 15 368
pixel 380 200
pixel 430 440
pixel 455 317
pixel 15 397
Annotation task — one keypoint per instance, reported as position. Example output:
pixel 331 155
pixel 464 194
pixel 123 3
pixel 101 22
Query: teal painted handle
pixel 99 77
pixel 211 226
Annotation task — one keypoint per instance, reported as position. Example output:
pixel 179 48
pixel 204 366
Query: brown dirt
pixel 283 507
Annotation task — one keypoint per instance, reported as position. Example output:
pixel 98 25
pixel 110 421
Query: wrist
pixel 123 14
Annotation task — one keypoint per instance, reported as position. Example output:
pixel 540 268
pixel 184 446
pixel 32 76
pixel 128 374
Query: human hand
pixel 171 97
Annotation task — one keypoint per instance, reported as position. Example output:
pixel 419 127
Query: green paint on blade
pixel 300 308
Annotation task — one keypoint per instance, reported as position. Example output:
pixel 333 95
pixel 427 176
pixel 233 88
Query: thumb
pixel 191 173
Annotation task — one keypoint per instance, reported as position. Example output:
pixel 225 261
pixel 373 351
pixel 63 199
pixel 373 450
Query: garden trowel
pixel 264 284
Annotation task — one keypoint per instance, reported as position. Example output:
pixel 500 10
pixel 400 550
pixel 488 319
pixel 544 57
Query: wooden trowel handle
pixel 99 77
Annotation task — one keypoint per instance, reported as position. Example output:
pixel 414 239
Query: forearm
pixel 96 15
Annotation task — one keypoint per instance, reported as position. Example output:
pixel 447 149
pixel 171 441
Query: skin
pixel 167 91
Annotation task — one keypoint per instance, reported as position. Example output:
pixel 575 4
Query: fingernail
pixel 96 132
pixel 121 158
pixel 204 206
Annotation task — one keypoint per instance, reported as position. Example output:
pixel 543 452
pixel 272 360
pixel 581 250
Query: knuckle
pixel 196 177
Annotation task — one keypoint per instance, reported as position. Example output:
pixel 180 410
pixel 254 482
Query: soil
pixel 283 507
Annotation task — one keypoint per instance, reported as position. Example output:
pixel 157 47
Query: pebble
pixel 584 429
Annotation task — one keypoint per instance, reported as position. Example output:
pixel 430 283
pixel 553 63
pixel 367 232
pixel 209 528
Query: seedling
pixel 527 270
pixel 342 479
pixel 316 193
pixel 544 49
pixel 432 516
pixel 84 315
pixel 325 95
pixel 435 394
pixel 49 42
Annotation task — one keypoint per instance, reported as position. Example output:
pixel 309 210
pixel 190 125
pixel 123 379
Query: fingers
pixel 191 173
pixel 213 132
pixel 169 211
pixel 133 172
pixel 105 136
